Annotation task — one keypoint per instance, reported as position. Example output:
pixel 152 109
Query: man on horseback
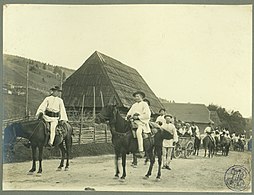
pixel 169 139
pixel 52 110
pixel 209 130
pixel 140 114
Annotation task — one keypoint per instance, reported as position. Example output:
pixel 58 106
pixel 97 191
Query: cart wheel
pixel 178 150
pixel 188 150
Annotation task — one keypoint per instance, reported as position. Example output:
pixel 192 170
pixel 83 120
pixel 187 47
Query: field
pixel 41 79
pixel 187 175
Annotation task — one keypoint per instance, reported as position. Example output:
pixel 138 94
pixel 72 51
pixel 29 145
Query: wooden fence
pixel 88 132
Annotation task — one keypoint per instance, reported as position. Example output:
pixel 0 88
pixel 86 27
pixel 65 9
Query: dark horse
pixel 123 141
pixel 225 145
pixel 197 142
pixel 210 145
pixel 36 132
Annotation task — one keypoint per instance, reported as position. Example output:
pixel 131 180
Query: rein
pixel 113 123
pixel 34 130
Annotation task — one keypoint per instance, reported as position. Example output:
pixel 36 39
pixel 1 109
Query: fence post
pixel 81 123
pixel 94 134
pixel 106 138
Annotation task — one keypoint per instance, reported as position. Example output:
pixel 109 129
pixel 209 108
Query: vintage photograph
pixel 138 98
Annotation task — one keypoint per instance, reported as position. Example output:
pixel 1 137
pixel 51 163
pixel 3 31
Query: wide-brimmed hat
pixel 56 88
pixel 168 115
pixel 140 93
pixel 162 109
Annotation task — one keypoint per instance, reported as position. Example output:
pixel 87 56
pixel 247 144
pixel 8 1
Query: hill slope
pixel 42 77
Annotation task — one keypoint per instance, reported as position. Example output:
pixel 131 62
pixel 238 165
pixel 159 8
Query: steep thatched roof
pixel 188 112
pixel 109 76
pixel 215 118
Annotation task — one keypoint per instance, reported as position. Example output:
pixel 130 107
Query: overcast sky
pixel 196 54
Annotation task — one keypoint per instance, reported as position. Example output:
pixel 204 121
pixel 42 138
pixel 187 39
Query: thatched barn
pixel 188 112
pixel 215 118
pixel 108 78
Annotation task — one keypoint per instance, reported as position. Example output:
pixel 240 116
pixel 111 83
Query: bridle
pixel 112 123
pixel 11 142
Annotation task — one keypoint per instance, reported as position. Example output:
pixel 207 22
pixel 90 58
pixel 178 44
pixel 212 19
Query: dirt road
pixel 194 174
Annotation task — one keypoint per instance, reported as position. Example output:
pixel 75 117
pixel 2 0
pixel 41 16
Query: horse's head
pixel 107 114
pixel 10 134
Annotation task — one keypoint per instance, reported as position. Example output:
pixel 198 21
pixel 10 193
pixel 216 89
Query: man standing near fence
pixel 170 137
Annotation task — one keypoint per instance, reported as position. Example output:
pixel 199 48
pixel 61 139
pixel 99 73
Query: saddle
pixel 61 132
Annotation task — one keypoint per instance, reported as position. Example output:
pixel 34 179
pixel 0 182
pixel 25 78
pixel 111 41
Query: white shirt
pixel 169 127
pixel 142 109
pixel 181 131
pixel 196 131
pixel 208 130
pixel 161 119
pixel 53 104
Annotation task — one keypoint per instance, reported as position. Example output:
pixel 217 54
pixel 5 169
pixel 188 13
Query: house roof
pixel 109 76
pixel 188 112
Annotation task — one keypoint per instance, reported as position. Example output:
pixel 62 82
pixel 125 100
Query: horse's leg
pixel 198 145
pixel 195 147
pixel 68 144
pixel 205 151
pixel 159 154
pixel 124 165
pixel 34 160
pixel 40 159
pixel 61 146
pixel 116 165
pixel 134 160
pixel 152 160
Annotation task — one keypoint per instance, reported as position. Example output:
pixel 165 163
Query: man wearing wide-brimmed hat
pixel 140 114
pixel 170 137
pixel 160 119
pixel 52 110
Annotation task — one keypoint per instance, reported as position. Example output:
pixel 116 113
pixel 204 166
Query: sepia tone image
pixel 143 98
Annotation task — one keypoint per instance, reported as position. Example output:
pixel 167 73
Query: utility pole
pixel 27 75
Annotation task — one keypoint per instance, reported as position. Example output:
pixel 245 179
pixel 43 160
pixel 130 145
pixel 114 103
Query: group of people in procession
pixel 52 110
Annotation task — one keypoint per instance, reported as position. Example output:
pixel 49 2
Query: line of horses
pixel 122 139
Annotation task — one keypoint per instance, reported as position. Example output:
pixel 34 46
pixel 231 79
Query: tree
pixel 44 67
pixel 64 76
pixel 234 121
pixel 57 70
pixel 32 68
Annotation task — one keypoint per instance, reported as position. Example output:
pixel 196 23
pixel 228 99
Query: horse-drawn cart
pixel 184 146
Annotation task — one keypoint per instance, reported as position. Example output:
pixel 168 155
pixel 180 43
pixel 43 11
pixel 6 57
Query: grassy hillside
pixel 42 77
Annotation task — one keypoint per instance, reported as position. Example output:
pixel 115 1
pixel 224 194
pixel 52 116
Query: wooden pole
pixel 27 71
pixel 94 102
pixel 81 123
pixel 61 81
pixel 94 112
pixel 106 137
pixel 102 101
